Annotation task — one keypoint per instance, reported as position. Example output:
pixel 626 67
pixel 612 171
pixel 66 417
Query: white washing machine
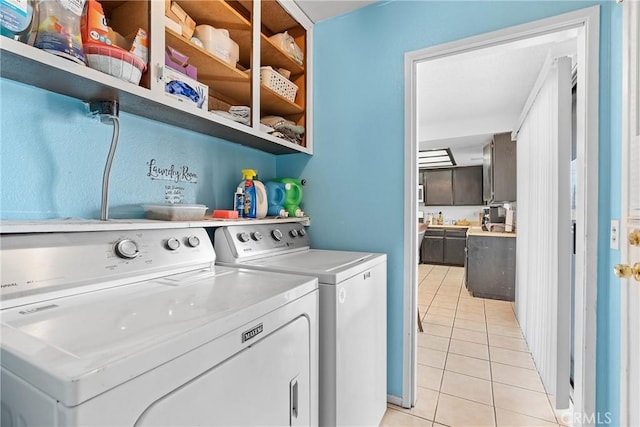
pixel 124 328
pixel 353 313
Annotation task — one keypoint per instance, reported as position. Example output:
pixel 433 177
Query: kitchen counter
pixel 478 231
pixel 448 226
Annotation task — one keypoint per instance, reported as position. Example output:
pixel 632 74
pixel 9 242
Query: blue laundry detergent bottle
pixel 275 198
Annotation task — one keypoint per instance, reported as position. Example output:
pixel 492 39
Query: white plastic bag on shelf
pixel 285 42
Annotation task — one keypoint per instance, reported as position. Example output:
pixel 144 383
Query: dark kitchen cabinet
pixel 455 242
pixel 444 246
pixel 467 186
pixel 499 169
pixel 453 186
pixel 439 188
pixel 491 267
pixel 433 246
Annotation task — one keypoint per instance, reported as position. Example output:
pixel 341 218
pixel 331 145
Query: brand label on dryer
pixel 252 333
pixel 38 309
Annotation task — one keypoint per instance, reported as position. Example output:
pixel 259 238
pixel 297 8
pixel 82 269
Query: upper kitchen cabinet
pixel 499 169
pixel 438 187
pixel 461 186
pixel 467 186
pixel 188 78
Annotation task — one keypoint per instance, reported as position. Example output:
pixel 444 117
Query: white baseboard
pixel 394 400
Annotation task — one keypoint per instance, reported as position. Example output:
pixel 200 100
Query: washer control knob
pixel 127 249
pixel 257 236
pixel 193 241
pixel 293 233
pixel 276 234
pixel 302 232
pixel 173 244
pixel 243 237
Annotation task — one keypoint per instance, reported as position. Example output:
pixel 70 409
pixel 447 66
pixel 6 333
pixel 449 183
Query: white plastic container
pixel 175 212
pixel 218 42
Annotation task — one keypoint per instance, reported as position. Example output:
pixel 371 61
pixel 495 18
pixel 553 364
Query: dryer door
pixel 265 384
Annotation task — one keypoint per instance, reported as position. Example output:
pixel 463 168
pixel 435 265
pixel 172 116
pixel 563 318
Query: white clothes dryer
pixel 124 328
pixel 353 313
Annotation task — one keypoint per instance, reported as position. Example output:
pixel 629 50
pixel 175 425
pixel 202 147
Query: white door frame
pixel 587 20
pixel 629 67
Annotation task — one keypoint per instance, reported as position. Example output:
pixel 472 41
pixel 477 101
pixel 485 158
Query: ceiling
pixel 464 99
pixel 319 10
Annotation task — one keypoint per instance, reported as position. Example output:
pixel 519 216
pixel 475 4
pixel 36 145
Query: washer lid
pixel 330 267
pixel 77 347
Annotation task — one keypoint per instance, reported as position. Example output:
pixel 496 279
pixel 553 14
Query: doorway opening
pixel 584 24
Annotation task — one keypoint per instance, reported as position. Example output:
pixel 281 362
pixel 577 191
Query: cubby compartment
pixel 227 80
pixel 283 46
pixel 127 17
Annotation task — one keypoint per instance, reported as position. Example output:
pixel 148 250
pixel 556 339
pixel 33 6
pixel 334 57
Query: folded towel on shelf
pixel 227 115
pixel 240 111
pixel 237 113
pixel 283 128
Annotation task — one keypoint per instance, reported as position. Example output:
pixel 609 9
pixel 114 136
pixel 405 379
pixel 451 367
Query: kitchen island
pixel 490 270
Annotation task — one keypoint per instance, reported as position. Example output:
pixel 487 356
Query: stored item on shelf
pixel 255 195
pixel 218 42
pixel 177 14
pixel 114 61
pixel 197 42
pixel 59 28
pixel 293 195
pixel 287 43
pixel 285 73
pixel 175 212
pixel 225 214
pixel 174 59
pixel 139 44
pixel 173 25
pixel 275 198
pixel 185 89
pixel 238 201
pixel 93 25
pixel 278 83
pixel 17 19
pixel 282 128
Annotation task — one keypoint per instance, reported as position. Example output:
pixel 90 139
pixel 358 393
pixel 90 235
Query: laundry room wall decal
pixel 172 173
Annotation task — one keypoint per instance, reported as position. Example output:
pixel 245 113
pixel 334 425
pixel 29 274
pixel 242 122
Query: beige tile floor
pixel 474 366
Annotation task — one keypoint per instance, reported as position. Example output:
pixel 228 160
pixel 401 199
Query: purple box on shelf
pixel 179 62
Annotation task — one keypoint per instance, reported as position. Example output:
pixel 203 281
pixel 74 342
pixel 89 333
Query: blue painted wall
pixel 355 193
pixel 53 155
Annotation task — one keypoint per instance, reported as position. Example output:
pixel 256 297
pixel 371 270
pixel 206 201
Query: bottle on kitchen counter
pixel 440 220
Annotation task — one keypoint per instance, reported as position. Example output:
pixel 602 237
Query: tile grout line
pixel 446 357
pixel 493 396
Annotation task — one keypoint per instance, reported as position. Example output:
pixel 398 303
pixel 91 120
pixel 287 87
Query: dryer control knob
pixel 173 244
pixel 293 233
pixel 243 237
pixel 193 241
pixel 127 249
pixel 276 234
pixel 256 236
pixel 302 232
